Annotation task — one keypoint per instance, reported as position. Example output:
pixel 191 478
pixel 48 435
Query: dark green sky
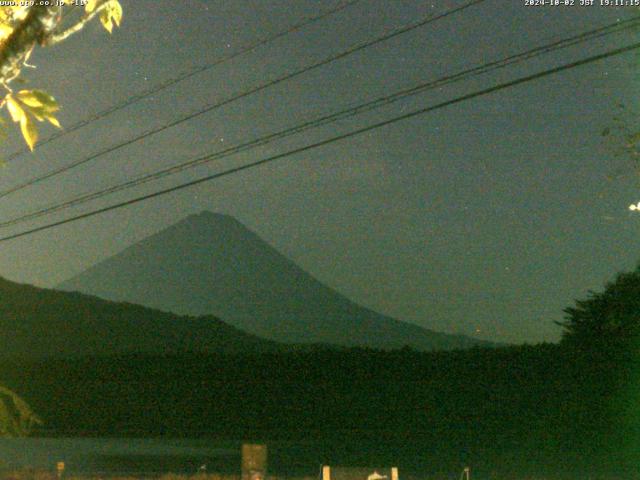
pixel 485 218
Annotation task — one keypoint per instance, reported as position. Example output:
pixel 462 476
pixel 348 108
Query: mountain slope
pixel 36 322
pixel 212 264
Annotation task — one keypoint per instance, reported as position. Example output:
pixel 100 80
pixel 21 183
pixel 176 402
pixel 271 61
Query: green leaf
pixel 111 14
pixel 106 20
pixel 53 121
pixel 32 103
pixel 38 98
pixel 90 6
pixel 29 131
pixel 15 110
pixel 40 113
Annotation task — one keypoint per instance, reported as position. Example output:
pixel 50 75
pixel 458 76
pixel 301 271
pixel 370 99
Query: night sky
pixel 485 218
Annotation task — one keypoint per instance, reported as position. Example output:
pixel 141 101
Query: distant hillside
pixel 36 322
pixel 212 264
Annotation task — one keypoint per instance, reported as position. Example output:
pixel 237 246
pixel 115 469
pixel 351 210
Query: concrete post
pixel 254 462
pixel 326 472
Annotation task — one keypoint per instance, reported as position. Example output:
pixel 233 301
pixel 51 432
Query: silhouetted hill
pixel 36 322
pixel 212 264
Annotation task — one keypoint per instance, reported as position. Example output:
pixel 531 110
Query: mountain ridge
pixel 210 263
pixel 37 322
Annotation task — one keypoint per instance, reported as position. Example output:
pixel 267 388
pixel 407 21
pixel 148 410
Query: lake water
pixel 119 455
pixel 152 457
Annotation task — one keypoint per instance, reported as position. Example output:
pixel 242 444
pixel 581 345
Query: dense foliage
pixel 25 25
pixel 558 410
pixel 519 409
pixel 608 320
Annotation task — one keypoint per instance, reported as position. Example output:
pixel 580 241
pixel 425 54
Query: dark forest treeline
pixel 545 410
pixel 527 408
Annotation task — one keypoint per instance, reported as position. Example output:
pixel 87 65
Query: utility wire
pixel 353 133
pixel 351 50
pixel 615 27
pixel 184 76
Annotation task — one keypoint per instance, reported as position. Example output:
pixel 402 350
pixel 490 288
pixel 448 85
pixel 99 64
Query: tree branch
pixel 57 37
pixel 34 29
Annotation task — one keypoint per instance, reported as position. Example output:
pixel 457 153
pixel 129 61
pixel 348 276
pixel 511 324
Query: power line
pixel 351 50
pixel 191 73
pixel 328 141
pixel 609 29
